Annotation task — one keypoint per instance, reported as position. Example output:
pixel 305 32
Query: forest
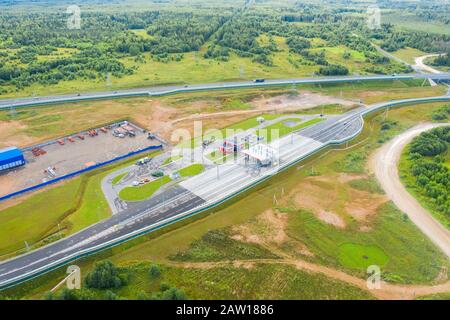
pixel 37 47
pixel 428 154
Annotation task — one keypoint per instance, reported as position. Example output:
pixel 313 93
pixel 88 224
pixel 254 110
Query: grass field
pixel 412 22
pixel 145 191
pixel 411 257
pixel 38 124
pixel 53 212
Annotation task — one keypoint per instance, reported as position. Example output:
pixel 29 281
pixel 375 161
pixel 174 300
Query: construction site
pixel 65 155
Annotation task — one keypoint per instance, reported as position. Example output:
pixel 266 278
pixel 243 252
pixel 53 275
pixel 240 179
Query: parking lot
pixel 72 153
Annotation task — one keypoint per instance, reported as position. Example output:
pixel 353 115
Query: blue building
pixel 10 158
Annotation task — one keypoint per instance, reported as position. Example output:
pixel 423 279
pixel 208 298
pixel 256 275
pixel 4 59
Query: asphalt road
pixel 178 203
pixel 165 90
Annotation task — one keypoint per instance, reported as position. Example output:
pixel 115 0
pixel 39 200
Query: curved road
pixel 385 166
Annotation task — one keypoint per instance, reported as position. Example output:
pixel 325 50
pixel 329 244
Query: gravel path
pixel 385 166
pixel 422 66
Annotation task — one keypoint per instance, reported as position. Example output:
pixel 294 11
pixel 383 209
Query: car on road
pixel 259 80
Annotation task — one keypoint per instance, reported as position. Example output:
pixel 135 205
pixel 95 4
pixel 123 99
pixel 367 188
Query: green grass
pixel 191 170
pixel 370 185
pixel 143 192
pixel 172 159
pixel 259 282
pixel 356 256
pixel 74 205
pixel 118 178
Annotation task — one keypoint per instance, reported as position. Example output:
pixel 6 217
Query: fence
pixel 76 173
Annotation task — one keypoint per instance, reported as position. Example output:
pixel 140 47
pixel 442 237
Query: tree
pixel 174 294
pixel 154 271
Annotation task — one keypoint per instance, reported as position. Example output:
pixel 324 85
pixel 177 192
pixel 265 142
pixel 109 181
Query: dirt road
pixel 422 66
pixel 385 166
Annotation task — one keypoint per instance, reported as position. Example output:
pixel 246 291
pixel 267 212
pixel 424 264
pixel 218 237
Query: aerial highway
pixel 166 90
pixel 192 196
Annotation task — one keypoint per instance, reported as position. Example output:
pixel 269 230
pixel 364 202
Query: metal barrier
pixel 76 173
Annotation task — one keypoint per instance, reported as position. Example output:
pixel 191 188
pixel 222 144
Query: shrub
pixel 105 275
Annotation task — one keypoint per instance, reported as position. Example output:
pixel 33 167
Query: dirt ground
pixel 70 157
pixel 334 202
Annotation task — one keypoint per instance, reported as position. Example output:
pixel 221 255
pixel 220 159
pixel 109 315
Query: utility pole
pixel 59 228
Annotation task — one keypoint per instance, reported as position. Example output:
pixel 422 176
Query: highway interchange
pixel 196 194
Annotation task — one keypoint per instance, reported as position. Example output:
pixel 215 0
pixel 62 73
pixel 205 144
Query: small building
pixel 263 154
pixel 10 158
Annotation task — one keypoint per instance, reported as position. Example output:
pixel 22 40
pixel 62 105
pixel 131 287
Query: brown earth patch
pixel 362 205
pixel 269 227
pixel 10 133
pixel 301 101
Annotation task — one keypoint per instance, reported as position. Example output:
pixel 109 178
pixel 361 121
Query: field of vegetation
pixel 239 249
